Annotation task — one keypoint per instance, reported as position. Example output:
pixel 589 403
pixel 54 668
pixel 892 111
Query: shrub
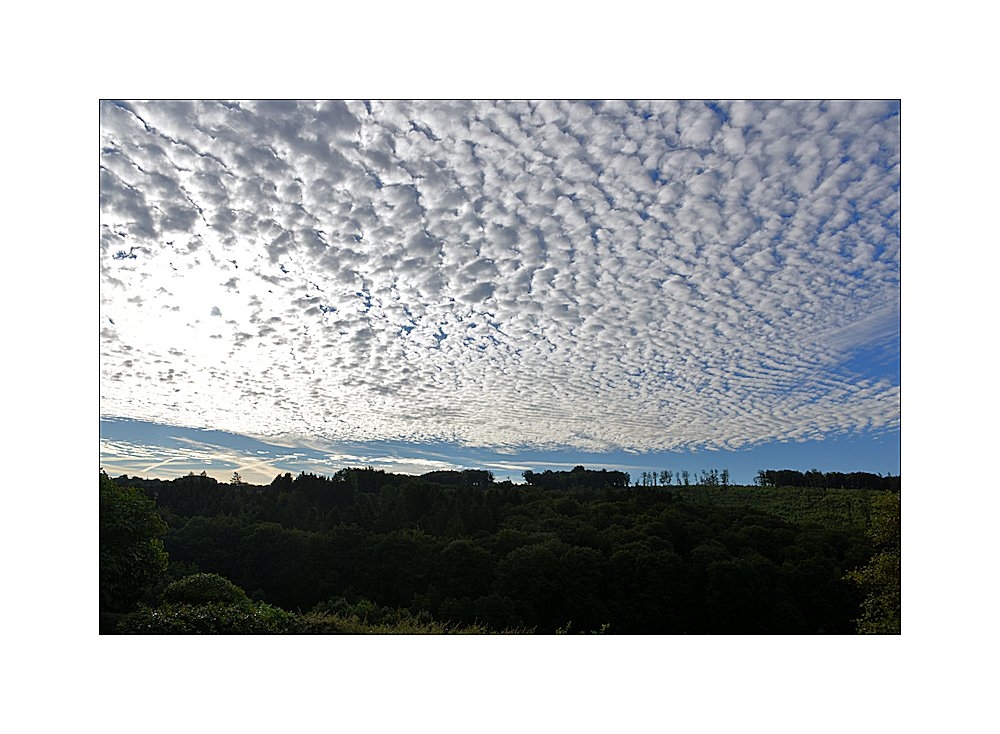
pixel 207 619
pixel 364 611
pixel 205 588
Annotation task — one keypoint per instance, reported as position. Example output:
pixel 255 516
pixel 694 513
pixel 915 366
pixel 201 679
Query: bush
pixel 367 612
pixel 205 588
pixel 207 619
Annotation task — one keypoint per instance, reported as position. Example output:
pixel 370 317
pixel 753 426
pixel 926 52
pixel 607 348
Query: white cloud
pixel 645 276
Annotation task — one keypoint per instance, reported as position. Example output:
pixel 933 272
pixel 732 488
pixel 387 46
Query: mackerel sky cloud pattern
pixel 645 276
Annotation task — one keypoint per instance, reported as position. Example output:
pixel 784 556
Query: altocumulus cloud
pixel 647 276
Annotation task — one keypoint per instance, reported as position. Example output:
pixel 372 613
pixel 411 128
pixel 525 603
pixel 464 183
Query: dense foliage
pixel 251 618
pixel 457 551
pixel 204 588
pixel 132 558
pixel 880 579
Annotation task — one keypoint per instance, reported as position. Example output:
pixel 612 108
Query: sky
pixel 309 285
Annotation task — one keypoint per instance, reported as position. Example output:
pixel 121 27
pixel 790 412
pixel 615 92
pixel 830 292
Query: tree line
pixel 827 480
pixel 684 478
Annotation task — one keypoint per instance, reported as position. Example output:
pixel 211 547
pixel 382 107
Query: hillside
pixel 462 550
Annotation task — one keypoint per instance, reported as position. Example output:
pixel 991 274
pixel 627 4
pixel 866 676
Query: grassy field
pixel 808 506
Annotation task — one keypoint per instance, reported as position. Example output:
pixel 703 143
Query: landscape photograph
pixel 477 367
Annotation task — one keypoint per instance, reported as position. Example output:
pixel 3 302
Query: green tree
pixel 463 568
pixel 132 558
pixel 880 579
pixel 534 578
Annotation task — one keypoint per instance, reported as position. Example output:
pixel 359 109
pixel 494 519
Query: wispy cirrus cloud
pixel 647 276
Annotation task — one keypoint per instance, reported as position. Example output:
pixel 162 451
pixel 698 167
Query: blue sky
pixel 302 286
pixel 138 448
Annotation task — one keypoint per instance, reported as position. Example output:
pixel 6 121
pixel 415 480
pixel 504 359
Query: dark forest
pixel 581 551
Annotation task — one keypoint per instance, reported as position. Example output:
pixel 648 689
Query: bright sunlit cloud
pixel 615 276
